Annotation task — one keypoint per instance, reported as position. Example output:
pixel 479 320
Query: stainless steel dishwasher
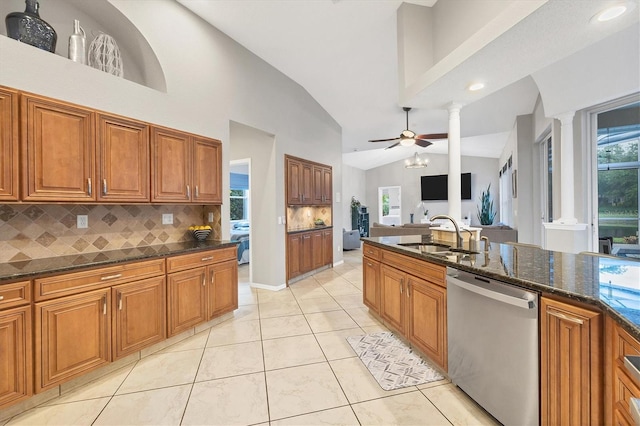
pixel 493 346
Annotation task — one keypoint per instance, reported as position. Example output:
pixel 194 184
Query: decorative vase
pixel 104 55
pixel 77 44
pixel 29 28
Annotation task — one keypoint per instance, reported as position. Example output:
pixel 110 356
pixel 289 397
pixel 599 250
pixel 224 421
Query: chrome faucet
pixel 455 225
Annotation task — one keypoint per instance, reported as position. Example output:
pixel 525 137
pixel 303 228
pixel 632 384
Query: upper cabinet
pixel 8 145
pixel 58 148
pixel 122 147
pixel 185 168
pixel 307 183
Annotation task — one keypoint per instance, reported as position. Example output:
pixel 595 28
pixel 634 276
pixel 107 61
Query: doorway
pixel 240 212
pixel 389 205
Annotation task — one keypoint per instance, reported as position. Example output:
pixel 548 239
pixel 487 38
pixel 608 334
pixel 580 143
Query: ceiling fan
pixel 409 137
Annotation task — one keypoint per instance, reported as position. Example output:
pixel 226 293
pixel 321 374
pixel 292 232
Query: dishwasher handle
pixel 495 294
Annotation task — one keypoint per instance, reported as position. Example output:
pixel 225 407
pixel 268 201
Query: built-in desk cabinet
pixel 308 183
pixel 9 142
pixel 308 251
pixel 16 355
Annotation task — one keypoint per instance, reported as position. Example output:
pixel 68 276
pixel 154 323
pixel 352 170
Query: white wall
pixel 211 80
pixel 484 171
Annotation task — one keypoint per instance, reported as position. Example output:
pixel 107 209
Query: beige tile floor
pixel 282 360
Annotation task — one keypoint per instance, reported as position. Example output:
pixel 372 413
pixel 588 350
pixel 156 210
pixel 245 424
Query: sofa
pixel 350 239
pixel 380 230
pixel 498 233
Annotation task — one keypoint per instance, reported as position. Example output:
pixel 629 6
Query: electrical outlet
pixel 82 221
pixel 211 217
pixel 167 218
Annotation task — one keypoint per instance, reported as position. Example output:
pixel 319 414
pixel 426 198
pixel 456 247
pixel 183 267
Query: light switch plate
pixel 167 218
pixel 210 216
pixel 82 221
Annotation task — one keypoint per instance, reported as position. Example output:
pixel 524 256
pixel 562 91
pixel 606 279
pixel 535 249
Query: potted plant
pixel 486 213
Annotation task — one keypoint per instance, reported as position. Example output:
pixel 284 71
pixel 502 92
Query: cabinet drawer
pixel 78 282
pixel 15 294
pixel 624 344
pixel 202 258
pixel 421 269
pixel 371 252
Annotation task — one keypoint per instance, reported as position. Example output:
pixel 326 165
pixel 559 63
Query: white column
pixel 454 191
pixel 567 199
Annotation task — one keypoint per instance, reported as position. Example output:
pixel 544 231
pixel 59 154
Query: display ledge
pixel 313 228
pixel 27 269
pixel 608 283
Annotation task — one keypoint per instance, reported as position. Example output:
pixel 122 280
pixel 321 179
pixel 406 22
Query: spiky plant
pixel 486 213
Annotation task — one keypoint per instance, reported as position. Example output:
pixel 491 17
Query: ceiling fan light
pixel 407 141
pixel 474 87
pixel 415 162
pixel 611 13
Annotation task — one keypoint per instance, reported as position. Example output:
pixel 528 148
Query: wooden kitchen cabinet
pixel 307 183
pixel 309 250
pixel 621 386
pixel 427 328
pixel 371 284
pixel 57 150
pixel 306 256
pixel 73 337
pixel 201 286
pixel 122 147
pixel 570 364
pixel 9 143
pixel 327 247
pixel 16 354
pixel 392 299
pixel 139 318
pixel 317 249
pixel 294 255
pixel 322 185
pixel 185 168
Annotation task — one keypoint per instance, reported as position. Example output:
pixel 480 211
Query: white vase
pixel 104 55
pixel 77 44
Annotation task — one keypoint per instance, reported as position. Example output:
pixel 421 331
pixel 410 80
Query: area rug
pixel 392 363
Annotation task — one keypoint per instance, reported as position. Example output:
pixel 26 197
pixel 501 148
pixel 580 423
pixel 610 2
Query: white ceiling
pixel 344 53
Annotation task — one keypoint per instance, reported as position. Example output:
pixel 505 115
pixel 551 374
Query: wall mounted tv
pixel 435 188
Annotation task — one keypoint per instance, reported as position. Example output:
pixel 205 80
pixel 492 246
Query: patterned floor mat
pixel 392 363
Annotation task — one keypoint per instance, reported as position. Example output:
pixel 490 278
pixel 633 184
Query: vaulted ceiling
pixel 363 60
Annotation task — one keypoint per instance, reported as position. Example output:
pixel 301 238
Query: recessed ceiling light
pixel 476 86
pixel 611 13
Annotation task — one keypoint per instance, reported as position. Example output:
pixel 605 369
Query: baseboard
pixel 268 287
pixel 339 262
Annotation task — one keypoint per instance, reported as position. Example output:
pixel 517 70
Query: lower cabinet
pixel 308 250
pixel 72 335
pixel 201 287
pixel 371 284
pixel 16 373
pixel 392 300
pixel 622 386
pixel 571 377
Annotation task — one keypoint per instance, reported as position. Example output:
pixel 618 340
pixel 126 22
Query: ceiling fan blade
pixel 423 143
pixel 433 136
pixel 391 146
pixel 384 140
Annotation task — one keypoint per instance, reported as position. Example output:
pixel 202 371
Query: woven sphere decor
pixel 104 55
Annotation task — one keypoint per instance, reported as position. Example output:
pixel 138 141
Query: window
pixel 239 204
pixel 506 200
pixel 546 156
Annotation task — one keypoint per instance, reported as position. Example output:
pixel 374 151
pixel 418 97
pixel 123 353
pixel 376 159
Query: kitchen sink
pixel 427 247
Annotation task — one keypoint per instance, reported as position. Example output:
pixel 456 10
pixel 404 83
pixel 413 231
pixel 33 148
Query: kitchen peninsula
pixel 588 322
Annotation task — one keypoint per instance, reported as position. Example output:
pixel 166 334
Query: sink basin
pixel 463 251
pixel 427 247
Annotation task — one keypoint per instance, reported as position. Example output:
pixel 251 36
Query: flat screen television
pixel 435 188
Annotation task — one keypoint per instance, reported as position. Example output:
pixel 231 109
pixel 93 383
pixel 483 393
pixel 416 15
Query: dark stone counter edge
pixel 315 228
pixel 114 257
pixel 629 326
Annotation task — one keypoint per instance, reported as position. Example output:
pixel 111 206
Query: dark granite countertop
pixel 611 284
pixel 313 228
pixel 29 268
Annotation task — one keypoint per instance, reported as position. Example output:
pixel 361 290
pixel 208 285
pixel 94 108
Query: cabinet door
pixel 60 158
pixel 623 387
pixel 138 315
pixel 569 364
pixel 306 183
pixel 73 336
pixel 317 248
pixel 170 166
pixel 392 300
pixel 16 382
pixel 318 188
pixel 294 255
pixel 223 288
pixel 294 180
pixel 327 185
pixel 371 284
pixel 327 247
pixel 306 255
pixel 207 171
pixel 122 146
pixel 186 299
pixel 427 327
pixel 8 145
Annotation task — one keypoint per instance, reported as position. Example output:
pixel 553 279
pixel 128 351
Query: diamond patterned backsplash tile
pixel 303 217
pixel 40 231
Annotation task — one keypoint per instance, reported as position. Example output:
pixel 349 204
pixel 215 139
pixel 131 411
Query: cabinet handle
pixel 369 264
pixel 408 290
pixel 188 192
pixel 197 192
pixel 104 187
pixel 104 305
pixel 89 186
pixel 204 259
pixel 401 284
pixel 204 282
pixel 565 317
pixel 212 276
pixel 110 277
pixel 119 301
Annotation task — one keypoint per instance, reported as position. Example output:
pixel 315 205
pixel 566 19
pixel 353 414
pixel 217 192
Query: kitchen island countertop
pixel 611 284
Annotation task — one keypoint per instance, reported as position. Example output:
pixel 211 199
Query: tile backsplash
pixel 303 217
pixel 35 231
